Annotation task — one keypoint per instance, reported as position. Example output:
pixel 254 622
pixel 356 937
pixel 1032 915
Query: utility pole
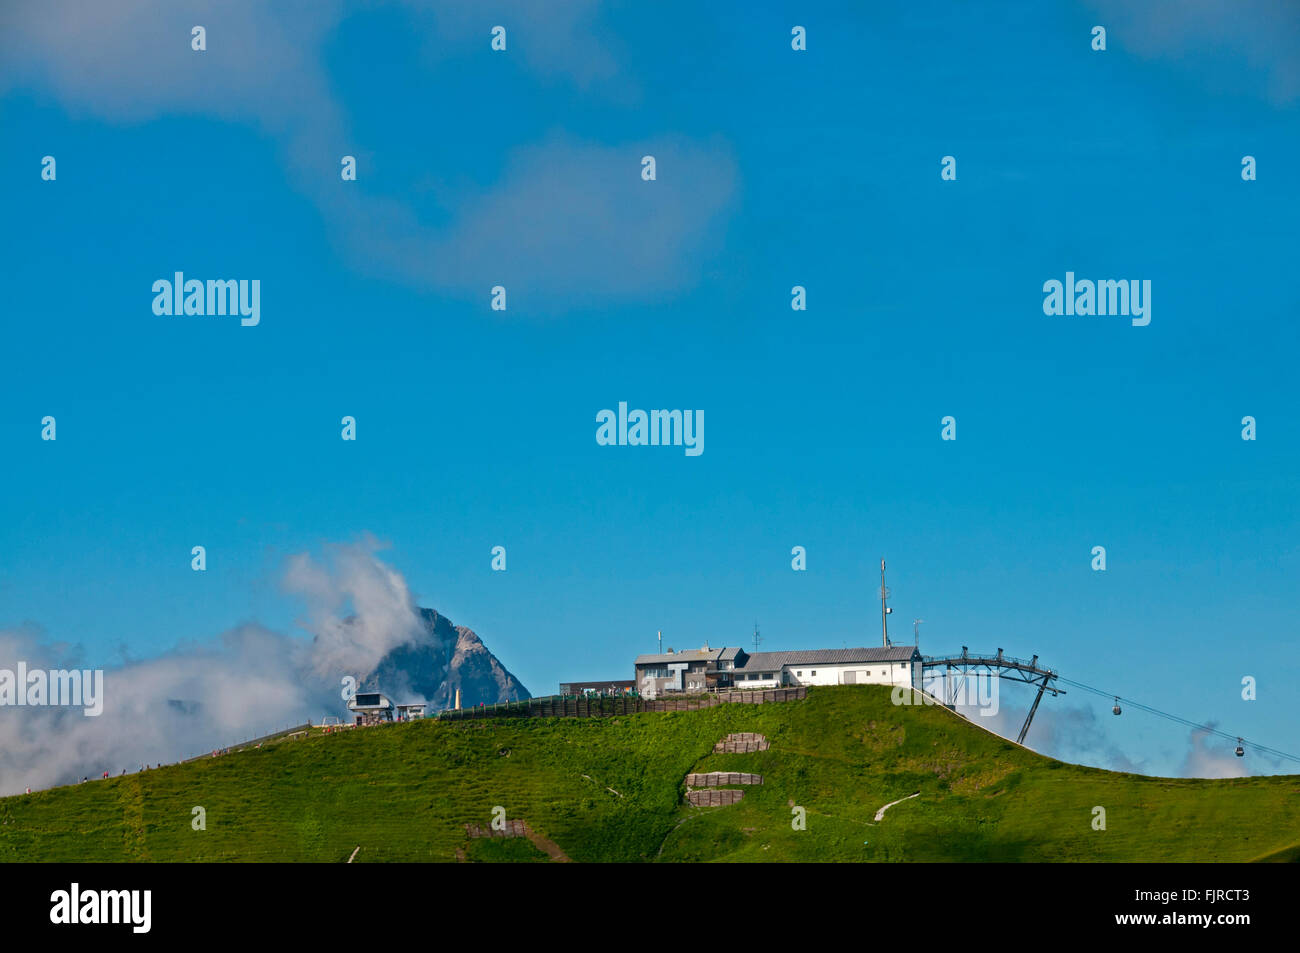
pixel 661 641
pixel 884 609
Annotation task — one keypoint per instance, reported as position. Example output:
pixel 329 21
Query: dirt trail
pixel 547 845
pixel 130 794
pixel 880 814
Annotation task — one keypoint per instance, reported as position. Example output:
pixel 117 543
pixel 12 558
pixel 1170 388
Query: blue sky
pixel 775 168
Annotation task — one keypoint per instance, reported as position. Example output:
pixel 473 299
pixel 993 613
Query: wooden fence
pixel 716 779
pixel 743 742
pixel 608 706
pixel 760 697
pixel 714 797
pixel 251 742
pixel 514 828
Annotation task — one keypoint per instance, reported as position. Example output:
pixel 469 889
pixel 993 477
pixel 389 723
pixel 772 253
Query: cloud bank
pixel 241 684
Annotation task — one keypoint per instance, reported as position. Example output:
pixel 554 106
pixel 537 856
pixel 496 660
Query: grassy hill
pixel 612 790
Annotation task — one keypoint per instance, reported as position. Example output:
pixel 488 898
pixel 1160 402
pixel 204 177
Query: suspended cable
pixel 1208 729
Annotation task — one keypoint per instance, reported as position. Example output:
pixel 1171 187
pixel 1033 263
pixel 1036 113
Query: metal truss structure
pixel 1012 669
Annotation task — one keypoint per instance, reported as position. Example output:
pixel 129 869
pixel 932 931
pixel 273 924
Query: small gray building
pixel 370 708
pixel 694 670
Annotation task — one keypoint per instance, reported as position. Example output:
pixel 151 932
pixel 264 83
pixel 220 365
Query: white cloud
pixel 130 60
pixel 1069 733
pixel 1250 46
pixel 359 608
pixel 570 221
pixel 552 37
pixel 244 683
pixel 1210 756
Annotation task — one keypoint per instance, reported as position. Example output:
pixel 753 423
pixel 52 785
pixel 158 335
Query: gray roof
pixel 772 661
pixel 690 655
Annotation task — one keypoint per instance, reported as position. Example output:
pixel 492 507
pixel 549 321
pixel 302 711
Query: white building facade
pixel 896 665
pixel 700 670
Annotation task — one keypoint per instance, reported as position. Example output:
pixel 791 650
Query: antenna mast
pixel 757 638
pixel 884 609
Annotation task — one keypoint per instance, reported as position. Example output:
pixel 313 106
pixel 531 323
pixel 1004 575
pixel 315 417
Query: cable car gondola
pixel 1117 710
pixel 1241 752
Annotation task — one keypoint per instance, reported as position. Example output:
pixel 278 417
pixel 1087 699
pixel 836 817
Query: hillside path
pixel 547 845
pixel 880 814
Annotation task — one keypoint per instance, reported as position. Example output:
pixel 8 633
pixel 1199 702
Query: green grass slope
pixel 613 790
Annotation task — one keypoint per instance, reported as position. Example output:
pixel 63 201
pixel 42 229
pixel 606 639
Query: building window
pixel 814 673
pixel 800 674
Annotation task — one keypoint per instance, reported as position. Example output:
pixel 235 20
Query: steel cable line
pixel 1180 720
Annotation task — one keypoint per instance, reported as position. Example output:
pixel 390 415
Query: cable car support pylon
pixel 1005 667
